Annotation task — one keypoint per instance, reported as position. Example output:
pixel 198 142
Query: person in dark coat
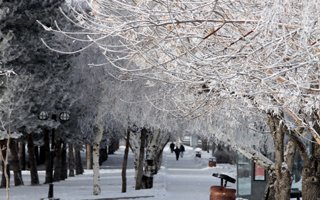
pixel 177 151
pixel 182 149
pixel 172 147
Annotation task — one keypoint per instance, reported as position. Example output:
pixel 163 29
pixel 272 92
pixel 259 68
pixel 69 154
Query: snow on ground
pixel 189 178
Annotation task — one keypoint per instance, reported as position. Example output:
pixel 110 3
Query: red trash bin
pixel 222 192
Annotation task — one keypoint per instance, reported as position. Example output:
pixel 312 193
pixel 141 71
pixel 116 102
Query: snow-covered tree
pixel 262 53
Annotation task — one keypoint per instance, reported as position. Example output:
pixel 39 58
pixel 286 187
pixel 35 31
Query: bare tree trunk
pixel 57 160
pixel 64 164
pixel 15 163
pixel 124 164
pixel 89 156
pixel 78 161
pixel 311 172
pixel 157 140
pixel 22 155
pixel 310 180
pixel 5 181
pixel 270 192
pixel 42 155
pixel 48 160
pixel 204 144
pixel 32 161
pixel 71 160
pixel 143 135
pixel 98 130
pixel 282 184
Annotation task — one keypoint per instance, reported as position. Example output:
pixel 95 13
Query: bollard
pixel 50 193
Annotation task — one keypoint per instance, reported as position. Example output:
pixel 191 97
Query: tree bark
pixel 269 193
pixel 32 161
pixel 139 174
pixel 89 156
pixel 311 172
pixel 156 142
pixel 78 161
pixel 204 144
pixel 22 155
pixel 57 160
pixel 98 130
pixel 42 155
pixel 5 178
pixel 15 163
pixel 125 163
pixel 310 180
pixel 71 160
pixel 64 164
pixel 282 184
pixel 48 160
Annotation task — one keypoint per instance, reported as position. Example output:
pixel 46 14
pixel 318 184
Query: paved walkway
pixel 120 198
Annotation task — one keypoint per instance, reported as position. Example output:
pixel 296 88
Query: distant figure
pixel 172 147
pixel 177 151
pixel 181 150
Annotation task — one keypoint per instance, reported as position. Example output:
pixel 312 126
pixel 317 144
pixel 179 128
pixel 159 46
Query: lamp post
pixel 63 116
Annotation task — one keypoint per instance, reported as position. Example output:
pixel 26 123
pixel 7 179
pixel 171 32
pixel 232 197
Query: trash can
pixel 222 192
pixel 212 162
pixel 198 154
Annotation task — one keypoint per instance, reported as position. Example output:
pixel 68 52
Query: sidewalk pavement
pixel 120 198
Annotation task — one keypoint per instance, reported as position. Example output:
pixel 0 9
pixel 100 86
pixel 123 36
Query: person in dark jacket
pixel 182 149
pixel 177 151
pixel 172 147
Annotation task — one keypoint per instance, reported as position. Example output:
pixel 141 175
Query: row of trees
pixel 224 69
pixel 48 83
pixel 198 58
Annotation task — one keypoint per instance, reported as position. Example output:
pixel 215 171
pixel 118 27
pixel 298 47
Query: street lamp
pixel 43 115
pixel 63 116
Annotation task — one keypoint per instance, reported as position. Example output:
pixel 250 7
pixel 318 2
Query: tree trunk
pixel 42 155
pixel 270 192
pixel 32 161
pixel 15 163
pixel 22 155
pixel 124 164
pixel 310 180
pixel 96 168
pixel 48 160
pixel 282 184
pixel 311 171
pixel 36 153
pixel 57 160
pixel 155 145
pixel 89 156
pixel 204 144
pixel 78 161
pixel 71 160
pixel 213 148
pixel 5 179
pixel 64 164
pixel 140 162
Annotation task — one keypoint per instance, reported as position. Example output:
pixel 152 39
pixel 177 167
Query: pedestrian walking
pixel 182 149
pixel 177 152
pixel 172 147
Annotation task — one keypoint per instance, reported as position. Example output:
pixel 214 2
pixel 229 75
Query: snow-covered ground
pixel 189 178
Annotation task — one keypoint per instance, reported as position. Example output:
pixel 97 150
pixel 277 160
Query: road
pixel 190 176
